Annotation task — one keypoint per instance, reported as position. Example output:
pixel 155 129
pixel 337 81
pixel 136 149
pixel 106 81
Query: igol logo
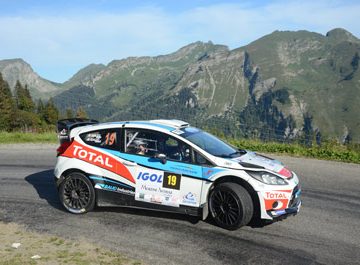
pixel 150 177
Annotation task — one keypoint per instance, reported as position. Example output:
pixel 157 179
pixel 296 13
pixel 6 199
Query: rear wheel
pixel 77 193
pixel 230 205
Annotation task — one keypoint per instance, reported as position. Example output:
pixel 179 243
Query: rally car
pixel 168 165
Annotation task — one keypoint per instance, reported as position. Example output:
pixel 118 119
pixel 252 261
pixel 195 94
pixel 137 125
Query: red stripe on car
pixel 92 156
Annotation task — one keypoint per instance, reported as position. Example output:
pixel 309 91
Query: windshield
pixel 210 143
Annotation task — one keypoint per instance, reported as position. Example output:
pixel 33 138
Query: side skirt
pixel 109 198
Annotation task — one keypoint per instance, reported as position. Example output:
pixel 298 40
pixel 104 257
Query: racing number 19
pixel 171 181
pixel 110 138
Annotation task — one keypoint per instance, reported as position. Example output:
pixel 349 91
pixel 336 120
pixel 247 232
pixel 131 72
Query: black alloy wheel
pixel 230 206
pixel 77 193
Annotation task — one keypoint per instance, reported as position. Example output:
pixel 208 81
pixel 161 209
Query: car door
pixel 174 180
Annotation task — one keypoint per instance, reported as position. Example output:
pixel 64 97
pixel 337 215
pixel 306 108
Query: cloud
pixel 57 45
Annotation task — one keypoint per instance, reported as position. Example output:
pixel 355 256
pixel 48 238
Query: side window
pixel 102 138
pixel 149 143
pixel 200 160
pixel 141 142
pixel 177 150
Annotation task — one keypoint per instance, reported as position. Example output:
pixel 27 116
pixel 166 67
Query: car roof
pixel 161 124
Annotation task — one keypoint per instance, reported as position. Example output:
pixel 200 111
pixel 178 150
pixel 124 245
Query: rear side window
pixel 109 139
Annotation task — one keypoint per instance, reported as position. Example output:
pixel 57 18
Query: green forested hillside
pixel 18 112
pixel 286 85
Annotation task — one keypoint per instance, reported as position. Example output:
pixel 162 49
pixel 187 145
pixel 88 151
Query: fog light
pixel 275 204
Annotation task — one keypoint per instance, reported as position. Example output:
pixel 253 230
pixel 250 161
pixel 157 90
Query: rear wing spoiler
pixel 66 125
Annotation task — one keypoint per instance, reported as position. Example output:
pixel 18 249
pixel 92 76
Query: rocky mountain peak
pixel 340 34
pixel 17 69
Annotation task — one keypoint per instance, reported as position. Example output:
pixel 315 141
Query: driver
pixel 140 147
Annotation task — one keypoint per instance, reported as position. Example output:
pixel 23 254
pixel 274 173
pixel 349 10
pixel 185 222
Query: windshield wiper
pixel 224 156
pixel 240 152
pixel 231 155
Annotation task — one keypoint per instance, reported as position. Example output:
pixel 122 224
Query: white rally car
pixel 170 166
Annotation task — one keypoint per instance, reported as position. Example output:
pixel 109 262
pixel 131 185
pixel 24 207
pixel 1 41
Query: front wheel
pixel 230 206
pixel 77 193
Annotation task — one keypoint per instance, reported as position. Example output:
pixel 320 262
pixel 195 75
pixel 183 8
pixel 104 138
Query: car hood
pixel 254 160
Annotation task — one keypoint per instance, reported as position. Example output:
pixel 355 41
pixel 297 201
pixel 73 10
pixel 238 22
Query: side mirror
pixel 161 157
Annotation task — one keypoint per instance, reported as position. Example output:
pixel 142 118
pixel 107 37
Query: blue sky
pixel 58 38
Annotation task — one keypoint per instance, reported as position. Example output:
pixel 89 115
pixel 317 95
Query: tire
pixel 77 193
pixel 230 206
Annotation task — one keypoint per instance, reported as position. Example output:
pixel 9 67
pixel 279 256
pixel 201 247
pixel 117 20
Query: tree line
pixel 19 112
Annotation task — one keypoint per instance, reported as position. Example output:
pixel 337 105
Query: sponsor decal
pixel 208 172
pixel 172 180
pixel 184 169
pixel 93 137
pixel 108 187
pixel 276 195
pixel 146 176
pixel 94 157
pixel 90 156
pixel 159 187
pixel 190 198
pixel 276 200
pixel 63 132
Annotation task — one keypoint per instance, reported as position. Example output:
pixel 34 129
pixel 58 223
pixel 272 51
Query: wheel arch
pixel 253 194
pixel 67 172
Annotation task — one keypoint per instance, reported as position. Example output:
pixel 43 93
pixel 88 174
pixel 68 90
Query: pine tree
pixel 51 113
pixel 23 98
pixel 40 109
pixel 6 105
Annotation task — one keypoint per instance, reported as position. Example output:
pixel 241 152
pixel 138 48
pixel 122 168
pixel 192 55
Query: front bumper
pixel 293 207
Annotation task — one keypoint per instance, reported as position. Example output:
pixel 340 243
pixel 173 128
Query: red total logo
pixel 277 195
pixel 92 157
pixel 77 150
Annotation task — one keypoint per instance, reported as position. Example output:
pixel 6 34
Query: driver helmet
pixel 138 143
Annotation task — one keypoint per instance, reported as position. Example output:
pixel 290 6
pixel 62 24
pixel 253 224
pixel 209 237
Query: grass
pixel 22 137
pixel 328 151
pixel 52 249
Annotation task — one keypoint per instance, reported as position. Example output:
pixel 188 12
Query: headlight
pixel 267 177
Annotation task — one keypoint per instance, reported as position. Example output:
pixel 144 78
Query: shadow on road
pixel 150 213
pixel 43 182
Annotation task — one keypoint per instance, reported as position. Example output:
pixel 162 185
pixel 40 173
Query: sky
pixel 58 38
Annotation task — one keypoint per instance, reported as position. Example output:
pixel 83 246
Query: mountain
pixel 84 76
pixel 17 69
pixel 287 84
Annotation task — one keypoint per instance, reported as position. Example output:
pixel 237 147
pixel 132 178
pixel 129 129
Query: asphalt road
pixel 326 231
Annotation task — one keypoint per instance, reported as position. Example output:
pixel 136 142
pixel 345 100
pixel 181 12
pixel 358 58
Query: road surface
pixel 326 231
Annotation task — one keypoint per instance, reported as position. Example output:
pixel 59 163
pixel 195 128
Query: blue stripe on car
pixel 109 180
pixel 191 170
pixel 176 167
